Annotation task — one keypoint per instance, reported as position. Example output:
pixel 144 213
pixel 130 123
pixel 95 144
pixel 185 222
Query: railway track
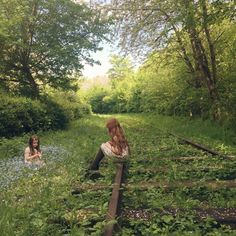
pixel 220 215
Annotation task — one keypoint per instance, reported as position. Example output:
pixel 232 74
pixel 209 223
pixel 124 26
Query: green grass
pixel 40 202
pixel 205 132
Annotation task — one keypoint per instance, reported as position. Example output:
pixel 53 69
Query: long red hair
pixel 118 140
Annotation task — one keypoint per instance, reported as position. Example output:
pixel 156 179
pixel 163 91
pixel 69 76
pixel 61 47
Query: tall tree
pixel 45 43
pixel 121 67
pixel 150 25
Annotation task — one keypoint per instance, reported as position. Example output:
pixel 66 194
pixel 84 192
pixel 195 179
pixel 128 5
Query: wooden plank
pixel 221 215
pixel 157 184
pixel 188 158
pixel 169 185
pixel 80 188
pixel 167 169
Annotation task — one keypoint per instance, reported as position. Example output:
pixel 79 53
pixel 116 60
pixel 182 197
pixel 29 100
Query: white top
pixel 107 150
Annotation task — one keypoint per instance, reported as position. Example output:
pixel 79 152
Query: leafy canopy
pixel 46 42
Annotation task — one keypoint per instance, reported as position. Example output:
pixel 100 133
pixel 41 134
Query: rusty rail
pixel 227 216
pixel 169 185
pixel 114 208
pixel 115 201
pixel 201 147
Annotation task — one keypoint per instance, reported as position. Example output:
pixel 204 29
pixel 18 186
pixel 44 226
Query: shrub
pixel 72 104
pixel 21 115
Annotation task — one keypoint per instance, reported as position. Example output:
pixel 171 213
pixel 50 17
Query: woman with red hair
pixel 117 147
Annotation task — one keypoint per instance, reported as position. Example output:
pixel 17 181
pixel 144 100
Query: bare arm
pixel 29 157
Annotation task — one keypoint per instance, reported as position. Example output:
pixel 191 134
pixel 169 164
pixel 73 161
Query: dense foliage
pixel 44 46
pixel 46 43
pixel 165 87
pixel 190 64
pixel 21 115
pixel 188 28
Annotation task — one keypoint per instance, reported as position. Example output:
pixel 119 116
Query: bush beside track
pixel 20 115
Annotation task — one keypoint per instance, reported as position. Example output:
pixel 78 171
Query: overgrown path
pixel 42 204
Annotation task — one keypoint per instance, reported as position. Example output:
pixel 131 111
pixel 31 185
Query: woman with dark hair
pixel 33 153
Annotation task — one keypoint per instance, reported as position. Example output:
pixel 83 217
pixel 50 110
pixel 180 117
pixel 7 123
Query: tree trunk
pixel 33 87
pixel 209 41
pixel 182 47
pixel 201 62
pixel 197 70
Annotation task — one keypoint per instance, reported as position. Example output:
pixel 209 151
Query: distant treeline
pixel 190 61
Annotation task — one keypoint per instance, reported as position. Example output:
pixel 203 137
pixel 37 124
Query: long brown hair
pixel 31 139
pixel 118 140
